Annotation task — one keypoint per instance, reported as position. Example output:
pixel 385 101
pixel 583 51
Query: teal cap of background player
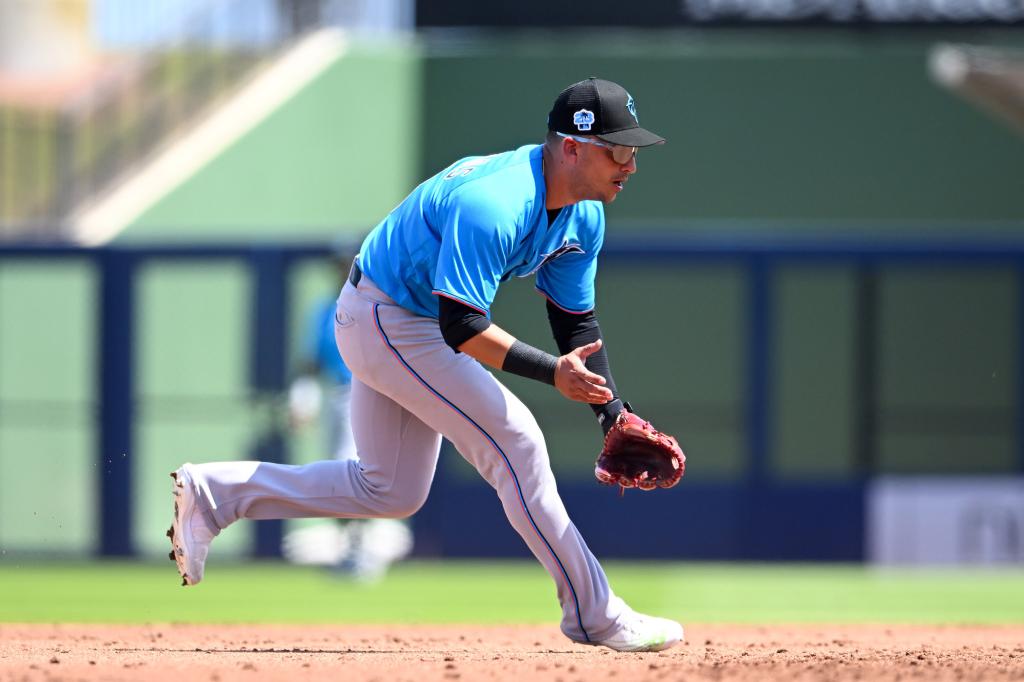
pixel 603 109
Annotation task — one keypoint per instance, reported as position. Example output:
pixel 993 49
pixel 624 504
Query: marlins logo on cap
pixel 583 119
pixel 600 108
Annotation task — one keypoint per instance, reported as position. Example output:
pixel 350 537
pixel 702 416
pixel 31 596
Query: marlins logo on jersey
pixel 566 247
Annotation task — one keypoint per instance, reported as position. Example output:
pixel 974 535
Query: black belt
pixel 355 274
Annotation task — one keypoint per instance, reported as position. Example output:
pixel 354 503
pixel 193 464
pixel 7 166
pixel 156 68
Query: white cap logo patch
pixel 583 119
pixel 632 109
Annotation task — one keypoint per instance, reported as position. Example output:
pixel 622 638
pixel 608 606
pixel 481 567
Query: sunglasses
pixel 620 154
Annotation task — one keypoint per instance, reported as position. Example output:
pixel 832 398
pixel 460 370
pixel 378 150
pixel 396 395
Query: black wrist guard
pixel 607 413
pixel 532 363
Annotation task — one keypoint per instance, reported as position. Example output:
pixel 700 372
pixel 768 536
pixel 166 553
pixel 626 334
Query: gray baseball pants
pixel 409 388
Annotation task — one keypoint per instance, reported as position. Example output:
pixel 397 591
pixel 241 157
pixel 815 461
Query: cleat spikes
pixel 170 555
pixel 189 542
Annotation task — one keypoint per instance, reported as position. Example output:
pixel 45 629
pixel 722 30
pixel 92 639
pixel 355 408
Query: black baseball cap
pixel 600 108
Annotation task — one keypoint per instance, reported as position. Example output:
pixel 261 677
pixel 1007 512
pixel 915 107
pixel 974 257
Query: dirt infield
pixel 520 653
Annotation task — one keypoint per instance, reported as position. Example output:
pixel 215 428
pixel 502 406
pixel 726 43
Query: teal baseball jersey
pixel 474 225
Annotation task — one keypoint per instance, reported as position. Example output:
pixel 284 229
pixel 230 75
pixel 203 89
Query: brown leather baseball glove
pixel 636 455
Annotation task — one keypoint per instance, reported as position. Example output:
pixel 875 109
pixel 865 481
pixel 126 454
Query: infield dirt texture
pixel 521 653
pixel 453 620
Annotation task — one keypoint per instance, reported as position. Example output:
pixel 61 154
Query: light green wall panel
pixel 165 445
pixel 193 331
pixel 48 476
pixel 47 314
pixel 334 159
pixel 192 383
pixel 48 482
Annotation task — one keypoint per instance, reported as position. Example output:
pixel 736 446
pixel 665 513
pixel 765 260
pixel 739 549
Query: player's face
pixel 601 176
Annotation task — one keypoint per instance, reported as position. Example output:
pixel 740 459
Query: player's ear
pixel 570 149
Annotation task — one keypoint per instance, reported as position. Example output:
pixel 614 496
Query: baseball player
pixel 412 323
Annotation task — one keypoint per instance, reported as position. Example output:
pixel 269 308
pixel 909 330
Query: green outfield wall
pixel 332 160
pixel 813 129
pixel 816 129
pixel 770 132
pixel 944 377
pixel 48 466
pixel 944 360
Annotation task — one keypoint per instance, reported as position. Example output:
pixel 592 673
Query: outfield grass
pixel 496 592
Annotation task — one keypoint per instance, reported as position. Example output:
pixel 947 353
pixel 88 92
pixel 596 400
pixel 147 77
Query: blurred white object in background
pixel 992 78
pixel 943 520
pixel 376 544
pixel 362 551
pixel 369 17
pixel 324 544
pixel 304 400
pixel 40 38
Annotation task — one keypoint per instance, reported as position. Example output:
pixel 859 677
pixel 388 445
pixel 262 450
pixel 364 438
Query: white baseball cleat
pixel 189 534
pixel 644 633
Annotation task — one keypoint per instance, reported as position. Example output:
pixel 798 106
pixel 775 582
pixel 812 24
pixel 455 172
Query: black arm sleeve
pixel 572 331
pixel 459 323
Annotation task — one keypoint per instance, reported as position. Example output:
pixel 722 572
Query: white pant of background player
pixel 410 388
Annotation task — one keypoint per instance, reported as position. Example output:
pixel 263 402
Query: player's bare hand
pixel 576 382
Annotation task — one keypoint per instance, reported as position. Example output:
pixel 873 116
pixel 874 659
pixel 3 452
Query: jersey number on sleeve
pixel 466 168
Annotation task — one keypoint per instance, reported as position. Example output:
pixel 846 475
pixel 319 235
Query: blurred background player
pixel 359 548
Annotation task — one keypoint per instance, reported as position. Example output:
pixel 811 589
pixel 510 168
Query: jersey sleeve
pixel 476 240
pixel 568 281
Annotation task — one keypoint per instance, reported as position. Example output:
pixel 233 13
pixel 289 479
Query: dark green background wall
pixel 945 347
pixel 812 128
